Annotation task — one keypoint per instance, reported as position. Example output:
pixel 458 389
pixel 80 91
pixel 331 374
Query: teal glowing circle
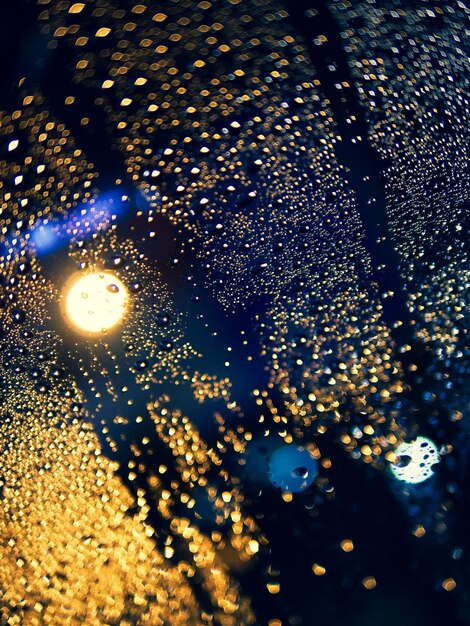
pixel 292 469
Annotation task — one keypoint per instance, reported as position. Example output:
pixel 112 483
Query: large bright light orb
pixel 94 303
pixel 415 460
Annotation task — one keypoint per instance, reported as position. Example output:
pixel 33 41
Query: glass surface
pixel 233 313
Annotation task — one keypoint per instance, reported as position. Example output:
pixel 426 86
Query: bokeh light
pixel 293 469
pixel 415 460
pixel 95 303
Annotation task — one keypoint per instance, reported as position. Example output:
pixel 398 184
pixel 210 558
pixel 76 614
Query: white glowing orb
pixel 94 303
pixel 415 460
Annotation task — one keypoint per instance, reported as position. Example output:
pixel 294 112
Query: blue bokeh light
pixel 292 469
pixel 86 219
pixel 45 238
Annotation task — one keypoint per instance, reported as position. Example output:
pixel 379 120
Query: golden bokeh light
pixel 95 303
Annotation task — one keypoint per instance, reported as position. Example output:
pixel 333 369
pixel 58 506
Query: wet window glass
pixel 233 313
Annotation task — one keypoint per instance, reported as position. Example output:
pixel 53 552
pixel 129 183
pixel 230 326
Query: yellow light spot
pixel 103 32
pixel 449 584
pixel 253 546
pixel 369 582
pixel 419 531
pixel 94 303
pixel 318 570
pixel 77 7
pixel 347 545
